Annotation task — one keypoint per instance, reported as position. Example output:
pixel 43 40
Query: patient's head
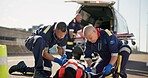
pixel 70 70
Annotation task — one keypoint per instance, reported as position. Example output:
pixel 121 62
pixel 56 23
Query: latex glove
pixel 107 69
pixel 88 69
pixel 58 61
pixel 63 58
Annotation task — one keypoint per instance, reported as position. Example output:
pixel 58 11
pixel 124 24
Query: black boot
pixel 123 75
pixel 20 67
pixel 29 71
pixel 48 73
pixel 40 74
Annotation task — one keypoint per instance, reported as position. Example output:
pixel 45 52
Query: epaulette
pixel 108 32
pixel 74 20
pixel 47 29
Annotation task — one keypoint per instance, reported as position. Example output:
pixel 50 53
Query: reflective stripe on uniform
pixel 45 31
pixel 119 63
pixel 44 50
pixel 71 29
pixel 108 32
pixel 47 68
pixel 70 43
pixel 109 76
pixel 125 49
pixel 29 73
pixel 35 38
pixel 74 20
pixel 68 50
pixel 114 54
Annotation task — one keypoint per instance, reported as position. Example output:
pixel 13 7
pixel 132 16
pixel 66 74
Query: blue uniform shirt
pixel 48 35
pixel 105 46
pixel 74 25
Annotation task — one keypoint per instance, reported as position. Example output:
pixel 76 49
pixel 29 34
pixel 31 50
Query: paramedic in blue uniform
pixel 73 27
pixel 41 41
pixel 109 47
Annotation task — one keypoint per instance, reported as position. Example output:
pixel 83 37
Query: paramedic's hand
pixel 63 58
pixel 107 69
pixel 88 69
pixel 59 61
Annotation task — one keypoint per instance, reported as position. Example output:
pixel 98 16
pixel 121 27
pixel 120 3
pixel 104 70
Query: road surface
pixel 136 66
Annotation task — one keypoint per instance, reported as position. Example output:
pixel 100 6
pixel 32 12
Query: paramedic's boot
pixel 20 67
pixel 123 75
pixel 40 74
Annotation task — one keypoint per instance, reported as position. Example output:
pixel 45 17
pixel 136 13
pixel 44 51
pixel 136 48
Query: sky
pixel 27 13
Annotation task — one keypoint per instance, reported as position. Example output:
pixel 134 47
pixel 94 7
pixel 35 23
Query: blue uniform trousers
pixel 40 61
pixel 124 53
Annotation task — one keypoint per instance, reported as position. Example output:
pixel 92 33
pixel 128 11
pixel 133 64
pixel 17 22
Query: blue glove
pixel 63 58
pixel 107 69
pixel 88 69
pixel 58 61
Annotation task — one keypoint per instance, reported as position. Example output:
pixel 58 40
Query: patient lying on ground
pixel 72 69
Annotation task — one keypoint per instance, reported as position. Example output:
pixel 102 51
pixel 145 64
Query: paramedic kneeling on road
pixel 108 46
pixel 40 42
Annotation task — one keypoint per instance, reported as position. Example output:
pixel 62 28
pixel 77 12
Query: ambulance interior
pixel 98 16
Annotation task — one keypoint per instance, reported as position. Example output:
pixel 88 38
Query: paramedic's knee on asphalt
pixel 47 37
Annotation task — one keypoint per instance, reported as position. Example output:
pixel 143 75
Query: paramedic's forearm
pixel 113 60
pixel 48 56
pixel 60 51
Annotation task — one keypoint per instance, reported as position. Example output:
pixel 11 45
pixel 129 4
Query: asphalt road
pixel 136 66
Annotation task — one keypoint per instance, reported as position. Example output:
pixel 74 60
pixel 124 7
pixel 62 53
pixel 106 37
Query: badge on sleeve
pixel 112 42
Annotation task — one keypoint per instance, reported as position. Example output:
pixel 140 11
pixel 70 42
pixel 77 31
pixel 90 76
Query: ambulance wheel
pixel 133 42
pixel 125 42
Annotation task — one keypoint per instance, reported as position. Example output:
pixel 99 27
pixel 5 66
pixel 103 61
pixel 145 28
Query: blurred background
pixel 27 15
